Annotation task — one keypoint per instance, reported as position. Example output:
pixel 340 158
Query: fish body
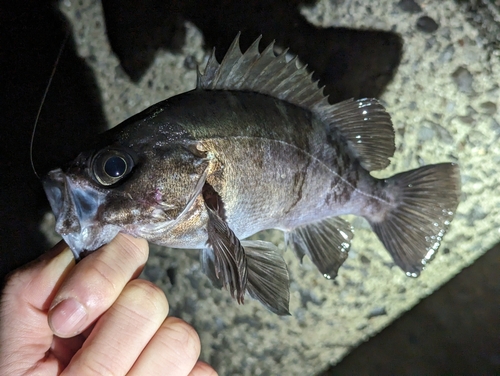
pixel 255 146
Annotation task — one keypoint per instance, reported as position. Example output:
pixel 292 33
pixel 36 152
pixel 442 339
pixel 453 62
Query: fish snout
pixel 75 204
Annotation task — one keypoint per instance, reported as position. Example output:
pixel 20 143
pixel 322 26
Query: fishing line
pixel 61 49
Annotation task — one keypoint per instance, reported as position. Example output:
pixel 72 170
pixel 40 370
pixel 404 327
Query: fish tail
pixel 421 205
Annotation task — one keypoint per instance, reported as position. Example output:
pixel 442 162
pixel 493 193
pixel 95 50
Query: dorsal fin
pixel 366 128
pixel 263 73
pixel 363 125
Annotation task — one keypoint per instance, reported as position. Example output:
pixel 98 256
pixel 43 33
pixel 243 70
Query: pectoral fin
pixel 207 260
pixel 227 263
pixel 230 261
pixel 325 242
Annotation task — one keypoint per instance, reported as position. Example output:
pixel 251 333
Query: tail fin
pixel 425 200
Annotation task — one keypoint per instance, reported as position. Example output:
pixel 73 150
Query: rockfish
pixel 255 146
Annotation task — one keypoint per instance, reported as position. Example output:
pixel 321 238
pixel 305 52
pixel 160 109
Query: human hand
pixel 94 318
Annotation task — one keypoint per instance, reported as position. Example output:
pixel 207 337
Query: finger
pixel 25 335
pixel 45 273
pixel 202 369
pixel 173 350
pixel 95 283
pixel 122 333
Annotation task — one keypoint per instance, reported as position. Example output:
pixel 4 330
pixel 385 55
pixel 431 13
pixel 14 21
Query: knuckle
pixel 183 336
pixel 101 274
pixel 136 249
pixel 147 296
pixel 97 366
pixel 94 285
pixel 203 369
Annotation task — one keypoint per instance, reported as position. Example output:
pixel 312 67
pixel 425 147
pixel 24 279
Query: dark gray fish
pixel 255 146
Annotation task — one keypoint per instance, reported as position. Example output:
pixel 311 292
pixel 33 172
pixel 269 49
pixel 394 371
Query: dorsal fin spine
pixel 278 77
pixel 225 68
pixel 253 53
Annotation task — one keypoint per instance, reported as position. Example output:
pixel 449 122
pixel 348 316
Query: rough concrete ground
pixel 454 331
pixel 444 102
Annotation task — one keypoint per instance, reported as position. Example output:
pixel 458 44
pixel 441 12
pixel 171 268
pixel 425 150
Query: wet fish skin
pixel 255 146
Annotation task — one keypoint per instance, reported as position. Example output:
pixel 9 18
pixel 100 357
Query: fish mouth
pixel 76 204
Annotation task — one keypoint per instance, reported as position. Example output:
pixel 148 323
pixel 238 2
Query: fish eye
pixel 115 166
pixel 111 165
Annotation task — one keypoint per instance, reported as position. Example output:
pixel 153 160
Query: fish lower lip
pixel 86 241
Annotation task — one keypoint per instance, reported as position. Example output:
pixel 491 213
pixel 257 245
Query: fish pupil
pixel 115 166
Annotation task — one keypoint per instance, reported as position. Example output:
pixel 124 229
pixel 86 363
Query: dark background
pixel 351 63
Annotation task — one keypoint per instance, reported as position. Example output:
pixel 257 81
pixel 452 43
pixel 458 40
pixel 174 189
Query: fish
pixel 255 146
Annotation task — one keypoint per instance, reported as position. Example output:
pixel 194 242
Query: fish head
pixel 141 190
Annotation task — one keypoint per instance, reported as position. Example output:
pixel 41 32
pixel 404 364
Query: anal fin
pixel 326 242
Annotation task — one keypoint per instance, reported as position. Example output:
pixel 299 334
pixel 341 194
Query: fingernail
pixel 67 318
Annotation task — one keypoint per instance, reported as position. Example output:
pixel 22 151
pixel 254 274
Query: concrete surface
pixel 454 331
pixel 444 102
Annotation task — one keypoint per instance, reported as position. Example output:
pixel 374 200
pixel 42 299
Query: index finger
pixel 95 283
